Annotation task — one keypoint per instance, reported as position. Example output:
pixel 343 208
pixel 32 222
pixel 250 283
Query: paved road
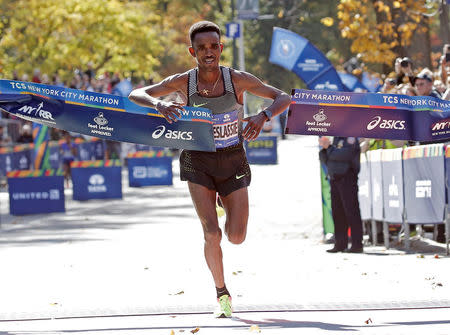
pixel 135 266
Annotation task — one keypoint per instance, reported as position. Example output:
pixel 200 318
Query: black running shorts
pixel 225 170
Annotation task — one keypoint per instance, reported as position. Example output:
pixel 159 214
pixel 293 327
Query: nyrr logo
pixel 37 111
pixel 377 121
pixel 286 48
pixel 97 183
pixel 441 125
pixel 172 134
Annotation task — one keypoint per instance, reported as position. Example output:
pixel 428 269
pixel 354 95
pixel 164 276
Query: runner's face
pixel 206 48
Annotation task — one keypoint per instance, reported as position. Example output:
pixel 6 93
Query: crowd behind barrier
pixel 405 186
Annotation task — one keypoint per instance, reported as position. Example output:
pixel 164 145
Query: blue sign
pixel 376 181
pixel 295 53
pixel 6 163
pixel 364 189
pixel 263 150
pixel 392 172
pixel 35 195
pixel 424 183
pixel 233 30
pixel 371 82
pixel 352 83
pixel 148 171
pixel 97 183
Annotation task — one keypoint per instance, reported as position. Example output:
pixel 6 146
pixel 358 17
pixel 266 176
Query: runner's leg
pixel 205 204
pixel 236 207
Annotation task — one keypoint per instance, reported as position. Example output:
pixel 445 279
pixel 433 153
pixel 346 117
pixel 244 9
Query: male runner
pixel 225 171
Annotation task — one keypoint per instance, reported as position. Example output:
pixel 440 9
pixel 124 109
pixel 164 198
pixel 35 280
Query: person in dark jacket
pixel 341 158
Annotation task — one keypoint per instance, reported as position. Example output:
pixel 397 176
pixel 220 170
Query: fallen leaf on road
pixel 178 293
pixel 420 256
pixel 196 330
pixel 53 303
pixel 437 256
pixel 364 274
pixel 255 328
pixel 173 316
pixel 172 332
pixel 369 320
pixel 181 330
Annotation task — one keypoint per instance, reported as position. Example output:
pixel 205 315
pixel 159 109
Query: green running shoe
pixel 224 309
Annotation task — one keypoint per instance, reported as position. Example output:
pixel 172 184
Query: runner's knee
pixel 236 237
pixel 212 234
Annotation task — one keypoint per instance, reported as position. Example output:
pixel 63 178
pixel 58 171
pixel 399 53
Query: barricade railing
pixel 405 186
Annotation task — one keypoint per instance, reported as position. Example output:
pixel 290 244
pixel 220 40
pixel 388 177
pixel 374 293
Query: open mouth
pixel 209 60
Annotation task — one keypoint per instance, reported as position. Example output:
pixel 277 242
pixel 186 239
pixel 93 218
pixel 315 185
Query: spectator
pixel 26 135
pixel 36 76
pixel 424 84
pixel 342 160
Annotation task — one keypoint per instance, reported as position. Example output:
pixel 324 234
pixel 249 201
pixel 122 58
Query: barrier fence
pixel 405 186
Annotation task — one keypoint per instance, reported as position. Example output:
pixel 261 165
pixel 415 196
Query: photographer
pixel 403 69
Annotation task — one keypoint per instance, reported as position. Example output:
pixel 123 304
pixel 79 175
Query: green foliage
pixel 60 36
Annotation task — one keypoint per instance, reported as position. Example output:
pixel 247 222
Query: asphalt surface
pixel 136 266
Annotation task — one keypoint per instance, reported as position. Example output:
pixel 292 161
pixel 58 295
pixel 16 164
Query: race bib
pixel 226 129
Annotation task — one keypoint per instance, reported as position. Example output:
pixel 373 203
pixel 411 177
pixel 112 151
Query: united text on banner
pixel 106 116
pixel 384 116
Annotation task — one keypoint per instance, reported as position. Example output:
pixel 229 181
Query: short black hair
pixel 201 27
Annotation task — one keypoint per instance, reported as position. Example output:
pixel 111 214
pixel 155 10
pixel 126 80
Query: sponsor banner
pixel 35 192
pixel 146 171
pixel 295 53
pixel 447 171
pixel 364 189
pixel 19 157
pixel 263 150
pixel 392 176
pixel 370 115
pixel 376 182
pixel 97 180
pixel 106 116
pixel 424 183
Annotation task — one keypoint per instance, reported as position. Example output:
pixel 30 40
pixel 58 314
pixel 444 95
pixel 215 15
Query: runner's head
pixel 202 27
pixel 205 44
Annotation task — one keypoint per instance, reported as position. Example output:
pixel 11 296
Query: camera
pixel 405 62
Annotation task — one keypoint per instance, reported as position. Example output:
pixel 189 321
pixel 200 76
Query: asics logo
pixel 158 132
pixel 172 134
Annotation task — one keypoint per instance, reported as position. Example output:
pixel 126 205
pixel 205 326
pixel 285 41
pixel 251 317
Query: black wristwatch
pixel 268 114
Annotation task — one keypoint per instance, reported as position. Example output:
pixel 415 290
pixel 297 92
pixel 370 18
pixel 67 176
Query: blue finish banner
pixel 369 115
pixel 35 195
pixel 392 172
pixel 295 53
pixel 263 150
pixel 424 183
pixel 148 171
pixel 364 189
pixel 376 181
pixel 106 116
pixel 97 182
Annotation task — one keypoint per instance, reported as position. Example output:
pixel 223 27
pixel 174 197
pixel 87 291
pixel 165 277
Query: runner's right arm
pixel 148 96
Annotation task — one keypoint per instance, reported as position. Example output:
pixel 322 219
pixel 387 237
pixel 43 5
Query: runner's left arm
pixel 281 101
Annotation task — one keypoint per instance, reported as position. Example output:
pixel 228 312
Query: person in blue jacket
pixel 341 158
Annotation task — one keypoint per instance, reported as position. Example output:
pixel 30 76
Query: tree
pixel 381 29
pixel 61 36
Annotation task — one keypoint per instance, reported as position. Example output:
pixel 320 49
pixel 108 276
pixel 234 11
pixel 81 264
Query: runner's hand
pixel 170 110
pixel 254 126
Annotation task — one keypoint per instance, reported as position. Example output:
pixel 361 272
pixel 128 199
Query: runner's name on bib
pixel 226 129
